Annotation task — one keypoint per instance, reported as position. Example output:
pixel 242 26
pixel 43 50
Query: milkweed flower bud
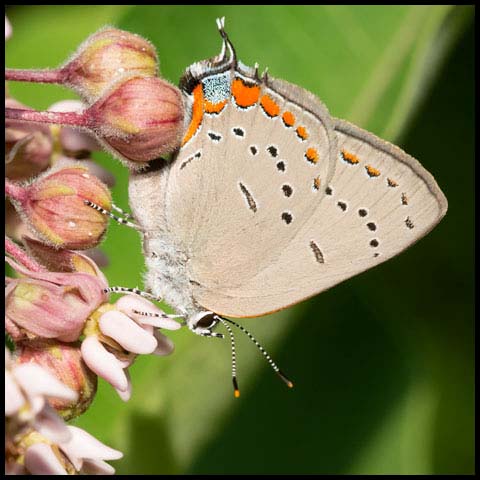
pixel 105 57
pixel 73 142
pixel 54 207
pixel 50 304
pixel 62 260
pixel 139 120
pixel 65 362
pixel 28 147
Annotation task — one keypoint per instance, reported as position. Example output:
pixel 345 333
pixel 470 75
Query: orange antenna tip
pixel 236 390
pixel 288 382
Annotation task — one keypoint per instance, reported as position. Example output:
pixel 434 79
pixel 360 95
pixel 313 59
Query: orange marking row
pixel 197 113
pixel 288 119
pixel 245 95
pixel 302 133
pixel 311 155
pixel 350 157
pixel 372 172
pixel 270 107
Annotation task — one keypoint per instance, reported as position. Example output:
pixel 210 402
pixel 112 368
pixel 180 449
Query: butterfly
pixel 270 200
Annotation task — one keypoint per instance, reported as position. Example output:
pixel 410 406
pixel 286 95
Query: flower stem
pixel 38 76
pixel 14 191
pixel 21 256
pixel 61 118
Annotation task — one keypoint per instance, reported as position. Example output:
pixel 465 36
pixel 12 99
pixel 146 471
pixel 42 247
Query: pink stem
pixel 38 76
pixel 61 118
pixel 14 191
pixel 21 256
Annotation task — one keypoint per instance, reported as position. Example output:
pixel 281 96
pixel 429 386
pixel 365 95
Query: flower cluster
pixel 64 329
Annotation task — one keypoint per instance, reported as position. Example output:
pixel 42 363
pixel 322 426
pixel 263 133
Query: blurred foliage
pixel 383 364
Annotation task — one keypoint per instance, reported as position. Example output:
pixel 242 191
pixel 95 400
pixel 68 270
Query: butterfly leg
pixel 157 315
pixel 120 220
pixel 124 214
pixel 136 291
pixel 205 332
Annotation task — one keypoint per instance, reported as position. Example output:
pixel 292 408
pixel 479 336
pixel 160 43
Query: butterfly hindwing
pixel 379 201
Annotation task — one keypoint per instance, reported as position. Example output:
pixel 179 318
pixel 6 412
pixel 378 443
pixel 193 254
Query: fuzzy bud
pixel 107 56
pixel 50 304
pixel 28 146
pixel 140 119
pixel 61 260
pixel 65 362
pixel 54 207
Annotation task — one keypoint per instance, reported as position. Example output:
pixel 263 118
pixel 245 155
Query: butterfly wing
pixel 248 176
pixel 379 202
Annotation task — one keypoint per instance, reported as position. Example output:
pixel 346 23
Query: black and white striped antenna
pixel 236 390
pixel 274 366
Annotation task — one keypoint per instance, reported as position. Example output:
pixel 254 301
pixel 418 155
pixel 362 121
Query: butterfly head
pixel 203 323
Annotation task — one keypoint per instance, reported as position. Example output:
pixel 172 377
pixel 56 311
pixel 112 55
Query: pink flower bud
pixel 75 143
pixel 50 304
pixel 62 260
pixel 54 207
pixel 105 57
pixel 140 119
pixel 65 362
pixel 28 146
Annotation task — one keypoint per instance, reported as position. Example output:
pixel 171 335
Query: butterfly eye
pixel 206 321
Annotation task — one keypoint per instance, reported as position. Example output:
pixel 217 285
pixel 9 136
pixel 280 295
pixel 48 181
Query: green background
pixel 383 363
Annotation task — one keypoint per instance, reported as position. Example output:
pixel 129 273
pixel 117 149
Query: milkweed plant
pixel 62 330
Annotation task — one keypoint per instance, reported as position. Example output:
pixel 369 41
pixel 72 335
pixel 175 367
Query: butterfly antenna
pixel 288 382
pixel 236 391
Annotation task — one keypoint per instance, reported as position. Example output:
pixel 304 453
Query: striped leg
pixel 111 215
pixel 136 291
pixel 122 212
pixel 205 332
pixel 156 315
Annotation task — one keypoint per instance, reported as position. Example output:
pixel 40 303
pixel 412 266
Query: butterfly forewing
pixel 247 180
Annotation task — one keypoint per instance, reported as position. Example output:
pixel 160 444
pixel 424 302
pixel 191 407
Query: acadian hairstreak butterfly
pixel 270 200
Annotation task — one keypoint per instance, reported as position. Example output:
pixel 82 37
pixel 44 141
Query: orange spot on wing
pixel 350 157
pixel 214 107
pixel 372 172
pixel 269 106
pixel 197 113
pixel 316 183
pixel 311 155
pixel 288 119
pixel 245 95
pixel 404 199
pixel 302 132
